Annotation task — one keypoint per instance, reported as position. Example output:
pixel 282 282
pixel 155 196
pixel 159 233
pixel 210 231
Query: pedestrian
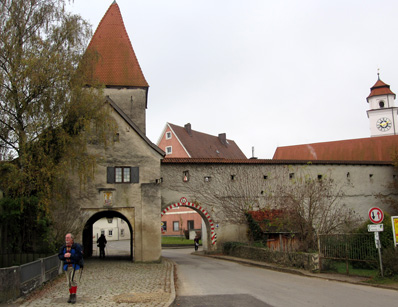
pixel 71 254
pixel 101 242
pixel 196 241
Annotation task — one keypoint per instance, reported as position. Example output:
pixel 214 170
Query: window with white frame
pixel 169 150
pixel 122 174
pixel 176 226
pixel 168 135
pixel 110 232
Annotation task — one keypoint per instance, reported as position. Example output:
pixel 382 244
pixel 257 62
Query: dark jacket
pixel 76 256
pixel 102 241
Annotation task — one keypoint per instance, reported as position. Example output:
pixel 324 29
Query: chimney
pixel 188 129
pixel 223 138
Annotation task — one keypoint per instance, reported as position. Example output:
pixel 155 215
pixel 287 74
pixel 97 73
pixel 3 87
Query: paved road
pixel 204 281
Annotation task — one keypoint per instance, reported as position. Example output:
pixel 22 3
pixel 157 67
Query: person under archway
pixel 101 243
pixel 196 241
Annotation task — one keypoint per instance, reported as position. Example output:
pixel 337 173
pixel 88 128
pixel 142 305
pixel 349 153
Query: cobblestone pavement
pixel 113 283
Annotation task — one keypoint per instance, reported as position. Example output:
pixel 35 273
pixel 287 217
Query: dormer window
pixel 168 135
pixel 381 104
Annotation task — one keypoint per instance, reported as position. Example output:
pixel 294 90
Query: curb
pixel 172 285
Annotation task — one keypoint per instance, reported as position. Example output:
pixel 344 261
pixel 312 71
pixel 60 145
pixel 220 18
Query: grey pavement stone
pixel 113 283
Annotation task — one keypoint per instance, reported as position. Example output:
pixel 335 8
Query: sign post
pixel 376 216
pixel 394 223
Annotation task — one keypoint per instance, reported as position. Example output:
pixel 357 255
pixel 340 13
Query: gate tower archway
pixel 88 230
pixel 203 213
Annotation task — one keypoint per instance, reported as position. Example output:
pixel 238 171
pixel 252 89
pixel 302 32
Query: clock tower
pixel 382 113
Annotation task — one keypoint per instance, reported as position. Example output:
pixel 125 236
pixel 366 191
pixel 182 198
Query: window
pixel 169 150
pixel 233 177
pixel 185 176
pixel 176 226
pixel 168 135
pixel 110 220
pixel 165 226
pixel 190 224
pixel 381 104
pixel 122 232
pixel 110 233
pixel 123 174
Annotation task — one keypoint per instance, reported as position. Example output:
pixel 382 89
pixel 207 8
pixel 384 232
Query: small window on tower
pixel 381 104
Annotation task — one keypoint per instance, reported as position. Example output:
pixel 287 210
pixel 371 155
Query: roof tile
pixel 380 88
pixel 117 64
pixel 381 148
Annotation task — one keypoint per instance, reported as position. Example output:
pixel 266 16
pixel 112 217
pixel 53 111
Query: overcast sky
pixel 266 73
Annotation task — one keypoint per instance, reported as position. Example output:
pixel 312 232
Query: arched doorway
pixel 211 236
pixel 88 230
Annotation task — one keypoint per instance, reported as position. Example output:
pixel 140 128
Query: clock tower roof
pixel 380 88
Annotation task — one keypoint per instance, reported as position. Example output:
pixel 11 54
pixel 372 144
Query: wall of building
pixel 210 185
pixel 139 201
pixel 176 148
pixel 114 229
pixel 132 102
pixel 180 215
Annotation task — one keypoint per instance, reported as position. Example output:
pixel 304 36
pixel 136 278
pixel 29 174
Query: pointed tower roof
pixel 380 88
pixel 117 64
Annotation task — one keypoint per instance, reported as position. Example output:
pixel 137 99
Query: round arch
pixel 202 211
pixel 88 230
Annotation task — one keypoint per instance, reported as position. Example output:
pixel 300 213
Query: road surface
pixel 205 281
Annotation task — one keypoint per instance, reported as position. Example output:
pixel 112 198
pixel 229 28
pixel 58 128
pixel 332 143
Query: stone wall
pixel 221 187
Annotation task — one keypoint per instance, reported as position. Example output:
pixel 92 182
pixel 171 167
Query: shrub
pixel 390 262
pixel 227 247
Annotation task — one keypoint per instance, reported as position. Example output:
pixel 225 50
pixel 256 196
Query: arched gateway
pixel 202 211
pixel 88 230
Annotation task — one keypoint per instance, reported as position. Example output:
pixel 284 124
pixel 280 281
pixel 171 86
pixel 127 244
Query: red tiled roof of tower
pixel 380 88
pixel 202 145
pixel 117 63
pixel 367 149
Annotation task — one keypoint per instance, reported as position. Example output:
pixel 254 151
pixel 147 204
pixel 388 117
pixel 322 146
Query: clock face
pixel 384 124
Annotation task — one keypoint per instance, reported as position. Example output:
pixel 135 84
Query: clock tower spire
pixel 382 113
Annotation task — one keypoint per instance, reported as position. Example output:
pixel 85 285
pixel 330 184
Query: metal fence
pixel 348 248
pixel 20 280
pixel 7 260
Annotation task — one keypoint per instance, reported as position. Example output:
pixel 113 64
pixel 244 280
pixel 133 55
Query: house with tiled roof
pixel 381 146
pixel 184 142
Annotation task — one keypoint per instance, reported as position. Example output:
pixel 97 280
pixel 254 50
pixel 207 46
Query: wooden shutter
pixel 110 174
pixel 135 174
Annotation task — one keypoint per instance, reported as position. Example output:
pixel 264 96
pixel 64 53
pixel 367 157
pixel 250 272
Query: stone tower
pixel 382 113
pixel 117 67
